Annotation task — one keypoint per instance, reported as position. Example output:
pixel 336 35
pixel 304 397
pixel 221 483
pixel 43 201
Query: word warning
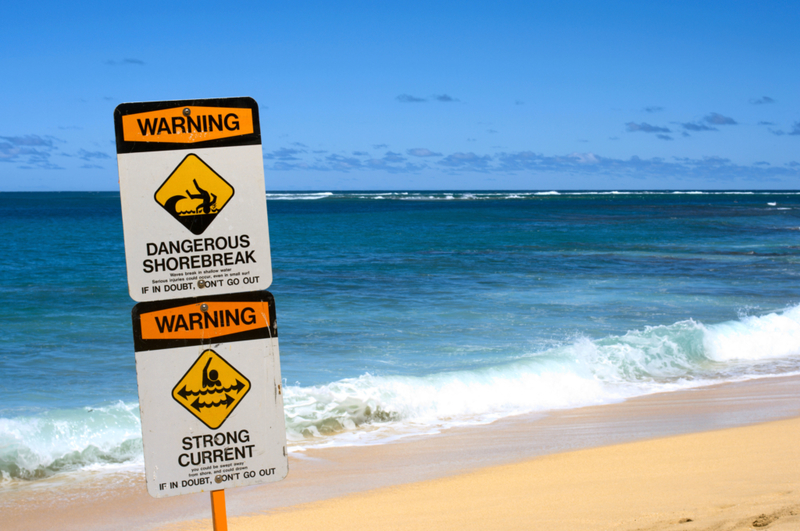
pixel 210 395
pixel 193 198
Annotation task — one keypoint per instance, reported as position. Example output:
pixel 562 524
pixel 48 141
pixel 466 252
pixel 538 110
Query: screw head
pixel 187 111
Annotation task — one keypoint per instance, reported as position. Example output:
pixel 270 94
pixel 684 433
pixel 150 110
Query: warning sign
pixel 211 389
pixel 194 208
pixel 210 394
pixel 194 194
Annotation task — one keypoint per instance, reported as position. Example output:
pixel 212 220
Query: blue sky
pixel 420 95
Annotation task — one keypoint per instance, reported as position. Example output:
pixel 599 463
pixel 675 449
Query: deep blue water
pixel 403 311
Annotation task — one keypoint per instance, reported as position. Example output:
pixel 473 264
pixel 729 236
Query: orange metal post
pixel 218 510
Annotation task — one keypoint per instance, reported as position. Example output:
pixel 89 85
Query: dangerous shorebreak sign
pixel 194 210
pixel 210 393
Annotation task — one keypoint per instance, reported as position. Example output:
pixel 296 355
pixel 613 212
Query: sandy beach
pixel 740 478
pixel 721 457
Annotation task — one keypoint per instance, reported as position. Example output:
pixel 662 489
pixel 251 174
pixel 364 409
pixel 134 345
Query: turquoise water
pixel 410 312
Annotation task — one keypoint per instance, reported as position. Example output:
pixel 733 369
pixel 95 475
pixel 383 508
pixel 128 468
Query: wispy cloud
pixel 794 131
pixel 422 152
pixel 408 98
pixel 92 155
pixel 394 163
pixel 33 151
pixel 393 157
pixel 340 163
pixel 692 126
pixel 125 62
pixel 710 168
pixel 646 128
pixel 718 119
pixel 469 161
pixel 284 154
pixel 653 108
pixel 762 100
pixel 444 98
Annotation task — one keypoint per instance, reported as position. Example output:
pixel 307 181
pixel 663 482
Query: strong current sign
pixel 194 210
pixel 210 394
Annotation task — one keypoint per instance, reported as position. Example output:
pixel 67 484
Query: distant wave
pixel 477 196
pixel 373 409
pixel 295 196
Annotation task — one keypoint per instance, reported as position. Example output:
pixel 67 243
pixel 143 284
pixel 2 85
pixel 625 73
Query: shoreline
pixel 112 501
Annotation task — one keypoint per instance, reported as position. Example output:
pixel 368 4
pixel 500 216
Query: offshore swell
pixel 410 312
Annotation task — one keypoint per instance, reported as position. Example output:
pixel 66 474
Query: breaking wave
pixel 580 373
pixel 372 409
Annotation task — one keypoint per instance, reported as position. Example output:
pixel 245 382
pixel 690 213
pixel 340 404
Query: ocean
pixel 408 313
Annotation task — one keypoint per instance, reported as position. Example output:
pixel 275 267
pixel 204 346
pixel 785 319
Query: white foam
pixel 755 337
pixel 69 439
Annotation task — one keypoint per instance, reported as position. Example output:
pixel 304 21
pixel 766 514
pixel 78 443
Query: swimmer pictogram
pixel 211 389
pixel 194 194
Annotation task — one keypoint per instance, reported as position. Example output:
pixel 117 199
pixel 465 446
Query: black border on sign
pixel 266 332
pixel 124 109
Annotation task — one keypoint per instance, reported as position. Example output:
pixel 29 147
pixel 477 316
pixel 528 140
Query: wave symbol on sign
pixel 203 383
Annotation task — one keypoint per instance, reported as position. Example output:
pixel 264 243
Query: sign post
pixel 218 516
pixel 205 333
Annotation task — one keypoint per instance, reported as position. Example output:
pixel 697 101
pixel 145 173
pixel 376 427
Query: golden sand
pixel 733 479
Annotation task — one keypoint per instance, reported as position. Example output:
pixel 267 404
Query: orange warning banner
pixel 187 125
pixel 205 320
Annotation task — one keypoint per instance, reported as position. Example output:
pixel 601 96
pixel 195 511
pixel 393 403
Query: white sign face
pixel 194 208
pixel 210 393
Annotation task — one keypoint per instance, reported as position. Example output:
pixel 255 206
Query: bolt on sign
pixel 194 209
pixel 210 394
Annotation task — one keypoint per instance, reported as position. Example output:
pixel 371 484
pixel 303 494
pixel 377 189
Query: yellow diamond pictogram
pixel 194 194
pixel 211 389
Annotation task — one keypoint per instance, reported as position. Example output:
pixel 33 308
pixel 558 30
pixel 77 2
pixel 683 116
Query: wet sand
pixel 513 474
